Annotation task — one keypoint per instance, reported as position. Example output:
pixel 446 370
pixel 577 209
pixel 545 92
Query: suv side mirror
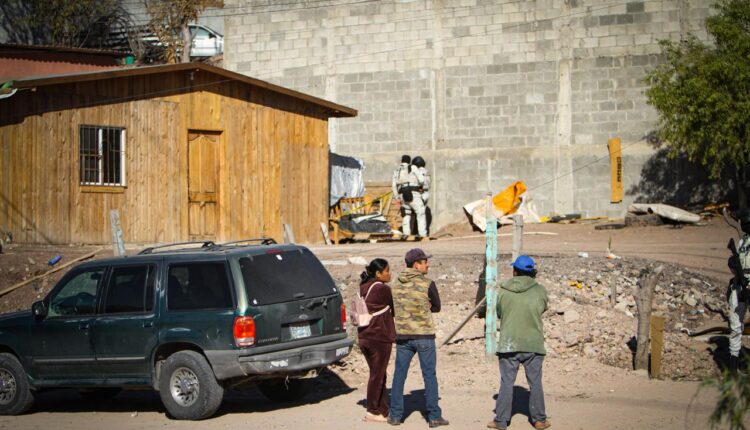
pixel 39 309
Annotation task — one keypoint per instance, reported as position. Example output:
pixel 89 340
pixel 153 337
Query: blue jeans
pixel 405 350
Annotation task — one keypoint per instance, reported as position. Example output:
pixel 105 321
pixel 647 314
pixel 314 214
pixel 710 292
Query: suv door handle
pixel 84 326
pixel 147 324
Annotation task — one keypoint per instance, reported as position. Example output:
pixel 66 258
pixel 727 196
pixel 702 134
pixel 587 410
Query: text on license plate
pixel 299 330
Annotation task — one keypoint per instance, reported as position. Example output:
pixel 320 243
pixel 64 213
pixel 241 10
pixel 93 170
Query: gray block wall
pixel 487 91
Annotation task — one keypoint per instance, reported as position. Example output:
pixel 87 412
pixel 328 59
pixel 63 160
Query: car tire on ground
pixel 15 394
pixel 188 386
pixel 285 390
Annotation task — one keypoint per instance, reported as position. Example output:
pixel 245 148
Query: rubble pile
pixel 581 320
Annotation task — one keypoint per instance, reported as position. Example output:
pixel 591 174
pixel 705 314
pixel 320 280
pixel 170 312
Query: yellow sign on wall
pixel 615 163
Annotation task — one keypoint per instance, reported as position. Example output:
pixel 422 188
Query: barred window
pixel 102 152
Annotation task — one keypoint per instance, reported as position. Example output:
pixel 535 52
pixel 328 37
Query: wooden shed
pixel 184 152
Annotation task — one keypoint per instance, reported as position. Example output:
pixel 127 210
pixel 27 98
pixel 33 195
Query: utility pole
pixel 490 292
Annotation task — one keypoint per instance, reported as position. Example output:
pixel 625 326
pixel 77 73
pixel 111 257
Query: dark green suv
pixel 189 323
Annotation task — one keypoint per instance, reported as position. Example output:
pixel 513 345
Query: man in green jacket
pixel 521 301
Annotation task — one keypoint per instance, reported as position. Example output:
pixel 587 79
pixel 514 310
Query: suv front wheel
pixel 15 395
pixel 188 387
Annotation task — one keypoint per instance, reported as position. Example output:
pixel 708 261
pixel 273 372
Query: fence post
pixel 517 235
pixel 116 228
pixel 490 322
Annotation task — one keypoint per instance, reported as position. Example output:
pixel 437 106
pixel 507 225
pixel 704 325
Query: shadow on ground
pixel 520 404
pixel 720 353
pixel 326 386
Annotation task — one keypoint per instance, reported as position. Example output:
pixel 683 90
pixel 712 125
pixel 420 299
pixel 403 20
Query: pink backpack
pixel 358 313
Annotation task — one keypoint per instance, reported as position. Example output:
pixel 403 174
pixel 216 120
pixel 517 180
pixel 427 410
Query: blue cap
pixel 524 263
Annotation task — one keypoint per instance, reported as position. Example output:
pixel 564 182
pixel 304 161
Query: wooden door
pixel 203 184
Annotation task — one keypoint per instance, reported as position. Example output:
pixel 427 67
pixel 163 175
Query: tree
pixel 733 399
pixel 169 22
pixel 72 23
pixel 702 95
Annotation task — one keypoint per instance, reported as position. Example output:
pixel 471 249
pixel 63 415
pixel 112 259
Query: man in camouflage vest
pixel 415 298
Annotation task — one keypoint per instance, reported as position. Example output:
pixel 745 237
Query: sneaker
pixel 496 425
pixel 438 422
pixel 373 418
pixel 393 421
pixel 541 425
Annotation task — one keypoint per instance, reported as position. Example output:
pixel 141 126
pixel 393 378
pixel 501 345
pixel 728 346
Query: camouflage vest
pixel 411 304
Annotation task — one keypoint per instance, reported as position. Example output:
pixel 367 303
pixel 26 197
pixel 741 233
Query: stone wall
pixel 487 91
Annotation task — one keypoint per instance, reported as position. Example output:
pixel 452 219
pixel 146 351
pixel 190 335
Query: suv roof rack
pixel 207 244
pixel 262 240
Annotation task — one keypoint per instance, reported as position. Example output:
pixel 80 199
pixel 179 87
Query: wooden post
pixel 643 300
pixel 657 344
pixel 324 229
pixel 288 234
pixel 613 295
pixel 615 162
pixel 490 322
pixel 117 243
pixel 517 235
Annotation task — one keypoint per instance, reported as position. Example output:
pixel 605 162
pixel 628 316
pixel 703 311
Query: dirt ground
pixel 588 381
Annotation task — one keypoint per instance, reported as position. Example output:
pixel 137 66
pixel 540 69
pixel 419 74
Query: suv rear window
pixel 196 286
pixel 284 276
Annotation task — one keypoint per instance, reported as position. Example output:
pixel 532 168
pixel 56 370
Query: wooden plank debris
pixel 49 272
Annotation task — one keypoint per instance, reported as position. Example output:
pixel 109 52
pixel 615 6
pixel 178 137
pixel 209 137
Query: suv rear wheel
pixel 285 390
pixel 15 395
pixel 188 387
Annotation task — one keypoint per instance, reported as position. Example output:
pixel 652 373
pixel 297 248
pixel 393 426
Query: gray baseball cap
pixel 415 255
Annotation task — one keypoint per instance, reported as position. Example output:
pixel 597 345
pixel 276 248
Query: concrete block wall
pixel 487 91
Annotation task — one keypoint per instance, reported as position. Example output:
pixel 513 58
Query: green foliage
pixel 73 23
pixel 702 92
pixel 734 399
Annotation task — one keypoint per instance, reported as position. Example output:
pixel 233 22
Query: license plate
pixel 299 330
pixel 342 351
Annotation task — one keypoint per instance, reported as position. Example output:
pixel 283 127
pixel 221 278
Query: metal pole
pixel 517 235
pixel 463 323
pixel 490 322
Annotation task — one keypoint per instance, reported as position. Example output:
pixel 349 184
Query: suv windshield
pixel 284 276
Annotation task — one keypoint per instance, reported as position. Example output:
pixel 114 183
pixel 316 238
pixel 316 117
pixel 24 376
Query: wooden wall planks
pixel 273 160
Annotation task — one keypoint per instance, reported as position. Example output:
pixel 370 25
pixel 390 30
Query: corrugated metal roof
pixel 15 47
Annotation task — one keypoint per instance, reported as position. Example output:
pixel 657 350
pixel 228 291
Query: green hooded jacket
pixel 521 301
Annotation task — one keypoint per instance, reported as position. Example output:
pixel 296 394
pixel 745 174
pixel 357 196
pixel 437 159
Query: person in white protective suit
pixel 413 202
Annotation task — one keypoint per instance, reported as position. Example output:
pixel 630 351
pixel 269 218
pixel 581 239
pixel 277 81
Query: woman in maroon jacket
pixel 377 338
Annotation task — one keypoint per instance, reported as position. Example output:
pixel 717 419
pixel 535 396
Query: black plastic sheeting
pixel 371 225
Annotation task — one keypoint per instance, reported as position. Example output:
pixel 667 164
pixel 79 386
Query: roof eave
pixel 335 109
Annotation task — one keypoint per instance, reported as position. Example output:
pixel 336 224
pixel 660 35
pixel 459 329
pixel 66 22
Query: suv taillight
pixel 343 317
pixel 244 331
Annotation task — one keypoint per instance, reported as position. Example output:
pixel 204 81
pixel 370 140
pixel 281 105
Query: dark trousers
pixel 377 355
pixel 532 365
